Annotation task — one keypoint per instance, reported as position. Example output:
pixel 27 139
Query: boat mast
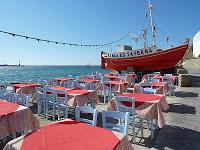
pixel 150 6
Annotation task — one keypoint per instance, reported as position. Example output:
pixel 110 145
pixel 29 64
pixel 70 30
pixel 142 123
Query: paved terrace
pixel 182 129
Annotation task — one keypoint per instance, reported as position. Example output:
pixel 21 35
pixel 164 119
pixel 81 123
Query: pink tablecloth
pixel 71 135
pixel 130 78
pixel 152 106
pixel 161 87
pixel 161 78
pixel 61 80
pixel 25 88
pixel 15 118
pixel 79 97
pixel 117 86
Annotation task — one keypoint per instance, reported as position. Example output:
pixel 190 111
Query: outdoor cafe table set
pixel 117 86
pixel 27 88
pixel 15 118
pixel 79 97
pixel 70 135
pixel 148 106
pixel 161 87
pixel 159 77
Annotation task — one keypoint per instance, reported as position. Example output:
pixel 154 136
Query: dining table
pixel 130 78
pixel 148 106
pixel 114 86
pixel 160 87
pixel 71 135
pixel 161 78
pixel 79 97
pixel 15 118
pixel 61 80
pixel 27 88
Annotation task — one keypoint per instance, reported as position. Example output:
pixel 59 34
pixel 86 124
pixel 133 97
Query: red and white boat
pixel 147 58
pixel 143 59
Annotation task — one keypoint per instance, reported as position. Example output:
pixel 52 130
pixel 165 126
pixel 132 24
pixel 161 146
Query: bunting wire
pixel 64 43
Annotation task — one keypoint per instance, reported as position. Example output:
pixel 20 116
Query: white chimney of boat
pixel 122 48
pixel 196 45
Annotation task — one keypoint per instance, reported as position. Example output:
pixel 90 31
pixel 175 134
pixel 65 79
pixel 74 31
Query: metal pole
pixel 150 6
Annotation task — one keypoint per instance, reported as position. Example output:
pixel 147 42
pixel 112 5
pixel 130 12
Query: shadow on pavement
pixel 195 81
pixel 184 94
pixel 178 138
pixel 181 109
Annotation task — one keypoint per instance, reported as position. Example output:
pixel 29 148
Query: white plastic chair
pixel 107 90
pixel 11 97
pixel 52 82
pixel 90 86
pixel 3 91
pixel 150 77
pixel 22 99
pixel 86 109
pixel 147 90
pixel 50 102
pixel 156 73
pixel 62 103
pixel 171 86
pixel 41 100
pixel 70 84
pixel 122 108
pixel 122 121
pixel 154 80
pixel 168 75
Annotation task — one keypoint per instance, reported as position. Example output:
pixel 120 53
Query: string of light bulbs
pixel 63 43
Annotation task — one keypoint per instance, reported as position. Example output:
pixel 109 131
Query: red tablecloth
pixel 70 135
pixel 117 82
pixel 143 97
pixel 164 77
pixel 151 108
pixel 7 108
pixel 63 79
pixel 78 97
pixel 24 85
pixel 89 81
pixel 60 88
pixel 117 86
pixel 161 87
pixel 78 92
pixel 15 118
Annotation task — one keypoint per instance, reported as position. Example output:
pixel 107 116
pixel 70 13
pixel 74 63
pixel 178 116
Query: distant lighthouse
pixel 19 63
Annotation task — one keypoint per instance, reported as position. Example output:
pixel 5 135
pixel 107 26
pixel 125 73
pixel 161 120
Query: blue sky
pixel 87 22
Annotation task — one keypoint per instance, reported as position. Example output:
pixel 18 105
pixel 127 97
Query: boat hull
pixel 158 61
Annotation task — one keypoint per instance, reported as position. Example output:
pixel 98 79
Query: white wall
pixel 196 45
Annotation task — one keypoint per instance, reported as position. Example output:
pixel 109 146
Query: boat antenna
pixel 153 28
pixel 145 37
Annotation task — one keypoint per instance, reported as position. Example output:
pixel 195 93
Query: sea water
pixel 31 73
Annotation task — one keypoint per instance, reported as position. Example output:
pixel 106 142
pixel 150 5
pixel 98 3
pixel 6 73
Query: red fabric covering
pixel 20 85
pixel 59 88
pixel 70 135
pixel 78 92
pixel 69 91
pixel 161 77
pixel 7 108
pixel 128 104
pixel 89 81
pixel 118 82
pixel 63 79
pixel 158 83
pixel 26 84
pixel 141 98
